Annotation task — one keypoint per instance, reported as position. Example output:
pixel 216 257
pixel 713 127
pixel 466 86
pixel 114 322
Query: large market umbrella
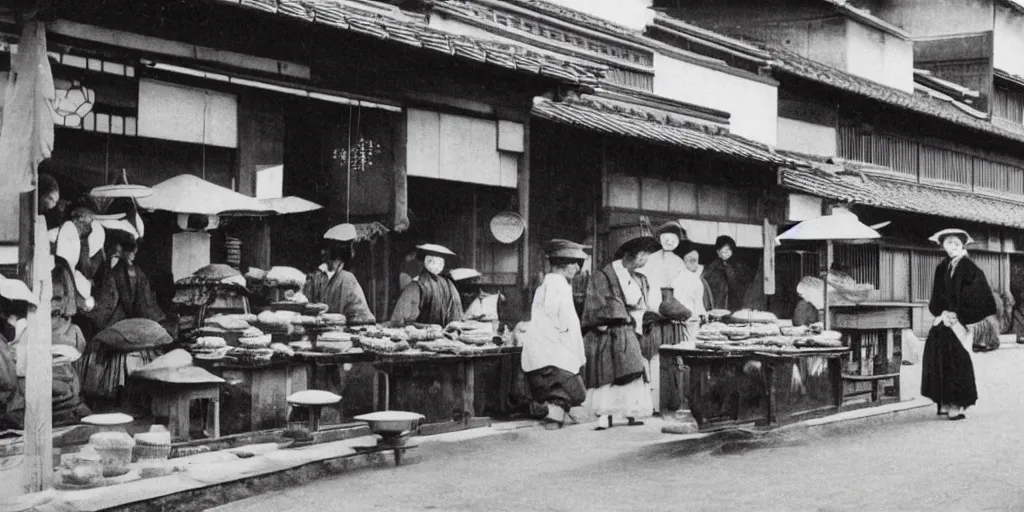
pixel 191 194
pixel 290 204
pixel 841 224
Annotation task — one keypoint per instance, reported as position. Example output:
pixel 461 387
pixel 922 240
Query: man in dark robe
pixel 432 297
pixel 727 279
pixel 331 284
pixel 124 291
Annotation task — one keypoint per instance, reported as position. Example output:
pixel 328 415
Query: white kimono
pixel 553 337
pixel 661 270
pixel 688 289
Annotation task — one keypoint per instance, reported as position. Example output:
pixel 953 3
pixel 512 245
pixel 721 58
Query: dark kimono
pixel 947 374
pixel 613 356
pixel 342 294
pixel 124 293
pixel 429 299
pixel 728 283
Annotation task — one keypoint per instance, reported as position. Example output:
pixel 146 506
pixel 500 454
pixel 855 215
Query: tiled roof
pixel 787 62
pixel 592 114
pixel 573 16
pixel 886 189
pixel 353 17
pixel 864 16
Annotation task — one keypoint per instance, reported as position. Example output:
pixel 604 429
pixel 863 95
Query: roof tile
pixel 886 189
pixel 348 16
pixel 787 62
pixel 592 114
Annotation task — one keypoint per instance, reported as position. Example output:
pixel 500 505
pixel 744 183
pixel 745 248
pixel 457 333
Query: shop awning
pixel 390 24
pixel 592 114
pixel 888 189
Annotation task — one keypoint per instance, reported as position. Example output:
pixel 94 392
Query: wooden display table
pixel 445 387
pixel 764 388
pixel 874 333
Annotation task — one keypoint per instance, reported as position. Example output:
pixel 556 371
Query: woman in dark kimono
pixel 431 298
pixel 612 325
pixel 331 284
pixel 727 279
pixel 960 296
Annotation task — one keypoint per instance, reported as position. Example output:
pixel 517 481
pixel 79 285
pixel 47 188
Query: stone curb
pixel 202 489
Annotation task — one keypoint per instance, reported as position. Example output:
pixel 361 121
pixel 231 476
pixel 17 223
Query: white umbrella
pixel 841 224
pixel 191 194
pixel 290 204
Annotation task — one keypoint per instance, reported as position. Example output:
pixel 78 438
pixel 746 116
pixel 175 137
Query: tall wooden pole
pixel 828 268
pixel 38 363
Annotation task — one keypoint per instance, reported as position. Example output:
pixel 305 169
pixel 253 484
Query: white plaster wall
pixel 804 137
pixel 634 14
pixel 879 56
pixel 1009 41
pixel 753 105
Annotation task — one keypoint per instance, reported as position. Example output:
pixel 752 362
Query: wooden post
pixel 38 366
pixel 524 212
pixel 768 235
pixel 828 267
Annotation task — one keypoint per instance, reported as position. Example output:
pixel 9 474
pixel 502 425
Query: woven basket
pixel 507 227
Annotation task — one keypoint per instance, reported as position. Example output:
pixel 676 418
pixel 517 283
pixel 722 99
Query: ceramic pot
pixel 671 308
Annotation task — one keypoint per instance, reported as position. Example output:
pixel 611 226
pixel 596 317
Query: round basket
pixel 507 227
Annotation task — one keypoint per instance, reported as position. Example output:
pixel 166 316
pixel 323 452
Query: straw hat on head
pixel 463 274
pixel 565 249
pixel 342 233
pixel 425 250
pixel 959 233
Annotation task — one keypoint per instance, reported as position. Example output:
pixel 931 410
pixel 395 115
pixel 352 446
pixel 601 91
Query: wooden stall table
pixel 767 388
pixel 442 387
pixel 874 333
pixel 254 396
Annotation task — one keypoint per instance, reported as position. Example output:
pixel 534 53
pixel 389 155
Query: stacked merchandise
pixel 757 331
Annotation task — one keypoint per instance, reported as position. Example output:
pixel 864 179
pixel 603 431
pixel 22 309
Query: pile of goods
pixel 756 331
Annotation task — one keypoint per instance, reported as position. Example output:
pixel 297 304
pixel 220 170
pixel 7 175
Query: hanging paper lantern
pixel 72 103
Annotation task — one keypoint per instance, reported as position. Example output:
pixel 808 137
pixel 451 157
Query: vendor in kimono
pixel 124 291
pixel 663 266
pixel 615 374
pixel 960 296
pixel 481 306
pixel 553 352
pixel 331 284
pixel 727 278
pixel 431 298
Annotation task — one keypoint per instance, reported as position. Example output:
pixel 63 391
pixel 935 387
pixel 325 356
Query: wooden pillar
pixel 523 187
pixel 38 364
pixel 768 236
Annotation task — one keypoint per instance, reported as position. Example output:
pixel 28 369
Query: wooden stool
pixel 174 401
pixel 312 401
